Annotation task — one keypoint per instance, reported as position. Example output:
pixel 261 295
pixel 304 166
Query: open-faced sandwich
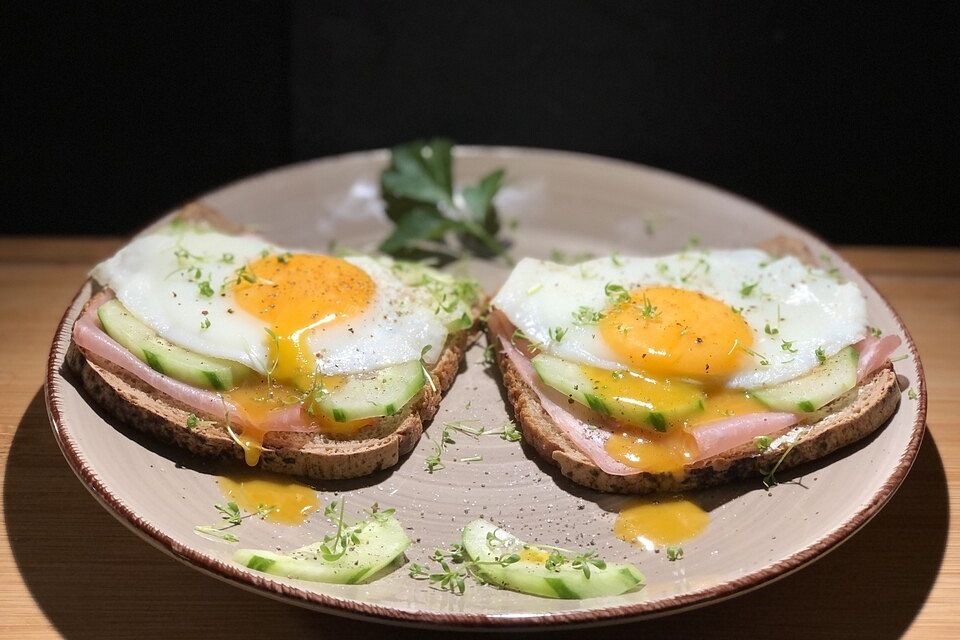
pixel 686 370
pixel 228 346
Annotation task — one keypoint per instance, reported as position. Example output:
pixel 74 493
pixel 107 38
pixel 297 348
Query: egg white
pixel 164 292
pixel 815 310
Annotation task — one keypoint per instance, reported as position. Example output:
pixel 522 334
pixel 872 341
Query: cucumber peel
pixel 624 395
pixel 381 540
pixel 806 394
pixel 542 571
pixel 164 356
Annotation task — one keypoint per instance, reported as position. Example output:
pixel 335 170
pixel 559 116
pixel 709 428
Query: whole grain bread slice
pixel 309 455
pixel 847 419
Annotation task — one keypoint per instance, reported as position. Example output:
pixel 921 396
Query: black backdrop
pixel 843 116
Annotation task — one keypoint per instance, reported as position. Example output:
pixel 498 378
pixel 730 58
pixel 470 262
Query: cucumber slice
pixel 166 357
pixel 830 380
pixel 382 393
pixel 533 577
pixel 382 540
pixel 623 395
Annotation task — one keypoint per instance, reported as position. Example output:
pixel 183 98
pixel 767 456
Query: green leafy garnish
pixel 912 394
pixel 230 512
pixel 748 288
pixel 821 356
pixel 762 443
pixel 674 553
pixel 616 293
pixel 557 333
pixel 430 218
pixel 586 315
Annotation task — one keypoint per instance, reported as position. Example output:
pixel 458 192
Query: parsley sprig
pixel 430 218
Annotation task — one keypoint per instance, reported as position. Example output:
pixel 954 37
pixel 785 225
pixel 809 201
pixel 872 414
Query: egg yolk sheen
pixel 685 345
pixel 294 294
pixel 677 333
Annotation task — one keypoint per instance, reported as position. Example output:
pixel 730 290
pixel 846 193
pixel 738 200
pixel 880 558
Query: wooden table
pixel 68 568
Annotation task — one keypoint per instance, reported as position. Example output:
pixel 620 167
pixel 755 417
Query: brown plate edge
pixel 609 615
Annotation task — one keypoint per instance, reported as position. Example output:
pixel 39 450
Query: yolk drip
pixel 293 501
pixel 294 294
pixel 724 403
pixel 660 522
pixel 677 333
pixel 651 451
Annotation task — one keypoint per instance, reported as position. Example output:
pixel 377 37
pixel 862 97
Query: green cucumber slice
pixel 381 393
pixel 166 357
pixel 624 395
pixel 382 540
pixel 534 578
pixel 830 380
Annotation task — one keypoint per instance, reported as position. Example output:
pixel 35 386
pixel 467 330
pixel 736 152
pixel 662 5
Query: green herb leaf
pixel 674 553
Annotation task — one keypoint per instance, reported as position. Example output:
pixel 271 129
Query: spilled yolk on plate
pixel 294 294
pixel 293 501
pixel 661 522
pixel 683 346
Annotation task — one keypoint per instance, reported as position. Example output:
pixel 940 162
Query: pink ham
pixel 723 435
pixel 88 335
pixel 873 353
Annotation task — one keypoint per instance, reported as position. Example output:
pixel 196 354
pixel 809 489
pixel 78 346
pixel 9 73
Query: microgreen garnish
pixel 230 512
pixel 701 263
pixel 875 331
pixel 586 315
pixel 647 309
pixel 763 359
pixel 430 218
pixel 617 375
pixel 747 288
pixel 434 462
pixel 192 421
pixel 489 355
pixel 770 331
pixel 674 553
pixel 762 443
pixel 532 345
pixel 227 258
pixel 821 356
pixel 770 479
pixel 912 394
pixel 616 259
pixel 787 345
pixel 557 333
pixel 616 293
pixel 205 323
pixel 205 289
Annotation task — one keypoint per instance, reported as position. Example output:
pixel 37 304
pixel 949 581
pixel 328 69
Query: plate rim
pixel 347 607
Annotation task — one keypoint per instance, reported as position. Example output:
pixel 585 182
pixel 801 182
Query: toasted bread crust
pixel 845 420
pixel 308 455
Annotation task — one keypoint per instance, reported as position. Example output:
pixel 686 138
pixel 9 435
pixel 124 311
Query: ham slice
pixel 873 353
pixel 88 335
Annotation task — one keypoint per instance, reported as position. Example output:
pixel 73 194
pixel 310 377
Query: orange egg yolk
pixel 289 502
pixel 685 345
pixel 677 333
pixel 660 522
pixel 294 294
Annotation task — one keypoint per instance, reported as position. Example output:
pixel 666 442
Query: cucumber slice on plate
pixel 166 357
pixel 486 544
pixel 830 380
pixel 624 395
pixel 381 541
pixel 381 393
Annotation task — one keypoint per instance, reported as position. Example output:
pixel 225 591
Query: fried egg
pixel 735 318
pixel 286 313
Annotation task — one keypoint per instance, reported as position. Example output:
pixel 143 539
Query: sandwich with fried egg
pixel 223 344
pixel 637 375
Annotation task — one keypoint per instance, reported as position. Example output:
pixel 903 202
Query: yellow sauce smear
pixel 666 521
pixel 293 501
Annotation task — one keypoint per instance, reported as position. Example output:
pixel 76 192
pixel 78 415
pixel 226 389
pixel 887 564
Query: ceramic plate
pixel 561 202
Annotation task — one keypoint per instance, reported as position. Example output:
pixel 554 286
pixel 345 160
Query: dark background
pixel 844 116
